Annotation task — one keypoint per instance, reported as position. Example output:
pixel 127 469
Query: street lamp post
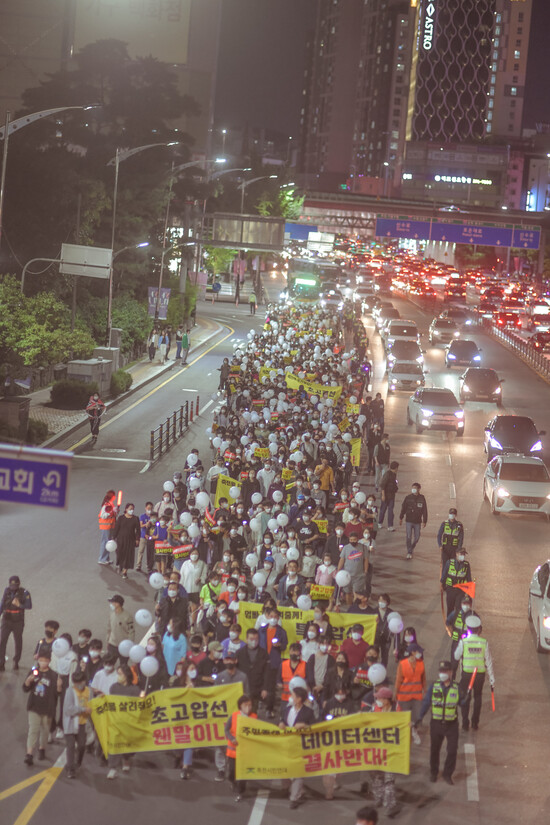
pixel 246 183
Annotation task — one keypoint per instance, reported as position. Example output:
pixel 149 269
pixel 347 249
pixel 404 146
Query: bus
pixel 304 283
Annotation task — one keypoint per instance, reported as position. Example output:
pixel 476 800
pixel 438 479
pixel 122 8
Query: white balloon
pixel 254 417
pixel 125 647
pixel 361 419
pixel 168 486
pixel 143 618
pixel 347 437
pixel 353 399
pixel 277 495
pixel 376 673
pixel 235 492
pixel 186 519
pixel 193 531
pixel 282 519
pixel 202 500
pixel 156 580
pixel 224 446
pixel 342 578
pixel 259 578
pixel 297 681
pixel 235 606
pixel 111 546
pixel 192 459
pixel 360 497
pixel 314 399
pixel 256 498
pixel 273 448
pixel 272 525
pixel 149 665
pixel 244 440
pixel 304 602
pixel 328 402
pixel 251 560
pixel 393 615
pixel 292 554
pixel 217 442
pixel 255 524
pixel 299 455
pixel 194 483
pixel 395 625
pixel 137 653
pixel 61 647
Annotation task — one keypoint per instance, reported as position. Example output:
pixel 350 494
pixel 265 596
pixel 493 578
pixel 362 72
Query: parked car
pixel 435 408
pixel 512 434
pixel 480 384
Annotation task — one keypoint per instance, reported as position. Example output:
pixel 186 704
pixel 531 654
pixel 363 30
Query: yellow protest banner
pixel 322 524
pixel 360 742
pixel 344 424
pixel 353 409
pixel 355 451
pixel 294 383
pixel 321 591
pixel 286 474
pixel 294 622
pixel 171 719
pixel 223 486
pixel 262 452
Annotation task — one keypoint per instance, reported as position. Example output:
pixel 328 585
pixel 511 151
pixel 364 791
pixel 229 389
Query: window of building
pixel 488 127
pixel 492 91
pixel 491 104
pixel 497 31
pixel 489 116
pixel 495 55
pixel 494 67
pixel 516 67
pixel 512 104
pixel 517 54
pixel 513 91
pixel 520 17
pixel 493 78
pixel 520 30
pixel 515 78
pixel 511 127
pixel 499 18
pixel 496 42
pixel 518 43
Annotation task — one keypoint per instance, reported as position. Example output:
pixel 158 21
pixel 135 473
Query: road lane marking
pixel 258 809
pixel 110 458
pixel 206 406
pixel 156 389
pixel 145 467
pixel 47 780
pixel 452 489
pixel 449 460
pixel 472 785
pixel 184 389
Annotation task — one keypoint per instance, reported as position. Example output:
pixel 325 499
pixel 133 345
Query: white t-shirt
pixel 102 681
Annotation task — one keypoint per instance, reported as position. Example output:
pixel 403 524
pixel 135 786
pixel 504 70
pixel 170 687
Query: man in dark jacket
pixel 12 609
pixel 381 459
pixel 253 661
pixel 297 715
pixel 41 685
pixel 388 488
pixel 173 606
pixel 415 512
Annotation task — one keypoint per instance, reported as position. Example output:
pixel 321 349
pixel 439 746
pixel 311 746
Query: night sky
pixel 261 63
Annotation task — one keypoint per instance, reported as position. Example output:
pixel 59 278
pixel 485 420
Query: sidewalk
pixel 61 422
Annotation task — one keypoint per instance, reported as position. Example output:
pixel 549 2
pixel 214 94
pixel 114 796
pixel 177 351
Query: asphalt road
pixel 55 555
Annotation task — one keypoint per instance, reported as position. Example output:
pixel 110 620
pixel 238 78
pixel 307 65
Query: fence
pixel 535 359
pixel 167 433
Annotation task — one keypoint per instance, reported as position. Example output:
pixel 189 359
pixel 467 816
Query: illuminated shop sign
pixel 463 179
pixel 429 24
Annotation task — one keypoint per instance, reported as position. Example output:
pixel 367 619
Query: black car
pixel 512 434
pixel 482 385
pixel 462 353
pixel 539 340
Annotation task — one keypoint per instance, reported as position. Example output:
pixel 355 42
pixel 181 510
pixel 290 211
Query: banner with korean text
pixel 360 742
pixel 223 486
pixel 164 720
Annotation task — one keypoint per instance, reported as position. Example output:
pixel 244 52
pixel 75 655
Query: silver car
pixel 405 377
pixel 435 408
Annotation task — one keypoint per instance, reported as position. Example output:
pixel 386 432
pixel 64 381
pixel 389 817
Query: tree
pixel 280 202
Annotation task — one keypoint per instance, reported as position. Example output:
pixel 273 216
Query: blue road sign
pixel 402 228
pixel 526 238
pixel 216 286
pixel 471 234
pixel 34 476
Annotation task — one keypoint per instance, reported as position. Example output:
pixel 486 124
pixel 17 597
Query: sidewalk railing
pixel 167 433
pixel 520 346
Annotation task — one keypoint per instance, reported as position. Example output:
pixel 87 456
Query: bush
pixel 121 381
pixel 70 394
pixel 37 431
pixel 9 434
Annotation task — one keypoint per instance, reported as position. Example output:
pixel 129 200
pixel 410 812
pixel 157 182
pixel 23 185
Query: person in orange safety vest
pixel 410 684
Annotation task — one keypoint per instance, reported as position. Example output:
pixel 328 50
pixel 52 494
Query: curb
pixel 110 404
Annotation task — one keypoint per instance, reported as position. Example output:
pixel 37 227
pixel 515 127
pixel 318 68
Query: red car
pixel 507 319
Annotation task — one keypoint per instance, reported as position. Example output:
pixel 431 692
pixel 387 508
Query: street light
pixel 13 126
pixel 224 133
pixel 121 155
pixel 242 186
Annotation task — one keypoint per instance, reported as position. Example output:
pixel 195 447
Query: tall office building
pixel 39 37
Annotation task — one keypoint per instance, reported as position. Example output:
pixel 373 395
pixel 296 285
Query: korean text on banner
pixel 355 452
pixel 361 742
pixel 223 486
pixel 294 383
pixel 165 720
pixel 321 591
pixel 294 622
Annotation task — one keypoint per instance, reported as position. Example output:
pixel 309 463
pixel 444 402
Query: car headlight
pixel 494 443
pixel 465 388
pixel 546 622
pixel 468 322
pixel 323 303
pixel 427 413
pixel 420 359
pixel 477 358
pixel 536 447
pixel 498 390
pixel 450 356
pixel 456 334
pixel 459 413
pixel 502 492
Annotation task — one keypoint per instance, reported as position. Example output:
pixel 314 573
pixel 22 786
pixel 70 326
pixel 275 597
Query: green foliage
pixel 121 381
pixel 280 202
pixel 37 431
pixel 70 394
pixel 9 434
pixel 218 260
pixel 180 306
pixel 466 257
pixel 131 317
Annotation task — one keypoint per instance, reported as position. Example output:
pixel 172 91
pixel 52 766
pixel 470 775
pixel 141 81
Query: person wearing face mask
pixel 388 489
pixel 231 675
pixel 443 698
pixel 211 666
pixel 473 652
pixel 273 638
pixel 123 686
pixel 409 638
pixel 324 472
pixel 95 408
pixel 252 660
pixel 121 625
pixel 361 604
pixel 294 666
pixel 374 434
pixel 415 512
pixel 144 520
pixel 354 558
pixel 292 595
pixel 450 537
pixel 310 643
pixel 105 676
pixel 229 594
pixel 193 578
pixel 82 646
pixel 160 679
pixel 318 668
pixel 338 705
pixel 381 459
pixel 383 636
pixel 297 714
pixel 307 531
pixel 355 646
pixel 310 563
pixel 237 541
pixel 456 625
pixel 233 643
pixel 325 573
pixel 265 477
pixel 383 784
pixel 455 571
pixel 340 677
pixel 290 579
pixel 94 661
pixel 410 684
pixel 196 653
pixel 266 548
pixel 174 645
pixel 185 676
pixel 164 504
pixel 41 685
pixel 126 534
pixel 107 519
pixel 244 705
pixel 335 542
pixel 76 713
pixel 15 601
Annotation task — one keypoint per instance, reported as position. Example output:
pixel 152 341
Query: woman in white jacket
pixel 75 715
pixel 64 666
pixel 193 578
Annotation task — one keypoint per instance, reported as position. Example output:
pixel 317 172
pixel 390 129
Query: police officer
pixel 15 601
pixel 456 623
pixel 456 571
pixel 474 653
pixel 442 697
pixel 450 537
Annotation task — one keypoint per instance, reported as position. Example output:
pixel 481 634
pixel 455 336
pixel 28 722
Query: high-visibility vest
pixel 473 654
pixel 230 751
pixel 107 522
pixel 287 673
pixel 445 704
pixel 411 686
pixel 459 624
pixel 451 534
pixel 456 575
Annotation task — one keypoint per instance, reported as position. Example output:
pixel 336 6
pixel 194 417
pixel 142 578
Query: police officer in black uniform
pixel 456 624
pixel 442 697
pixel 450 537
pixel 456 571
pixel 12 609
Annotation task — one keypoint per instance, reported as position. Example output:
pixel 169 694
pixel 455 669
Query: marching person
pixel 75 716
pixel 442 697
pixel 410 684
pixel 126 534
pixel 41 685
pixel 121 624
pixel 244 704
pixel 15 601
pixel 383 783
pixel 450 537
pixel 456 624
pixel 474 654
pixel 388 488
pixel 415 512
pixel 455 571
pixel 297 715
pixel 94 410
pixel 381 457
pixel 107 519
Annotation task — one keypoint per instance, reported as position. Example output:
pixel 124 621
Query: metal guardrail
pixel 520 346
pixel 167 433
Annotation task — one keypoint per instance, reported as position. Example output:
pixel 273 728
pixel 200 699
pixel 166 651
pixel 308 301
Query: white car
pixel 404 352
pixel 538 609
pixel 399 330
pixel 517 484
pixel 405 377
pixel 435 408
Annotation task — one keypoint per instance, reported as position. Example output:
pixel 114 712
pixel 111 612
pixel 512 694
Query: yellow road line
pixel 156 389
pixel 52 775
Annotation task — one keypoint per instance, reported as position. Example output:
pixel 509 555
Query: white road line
pixel 449 460
pixel 184 389
pixel 452 489
pixel 258 809
pixel 206 406
pixel 145 467
pixel 472 786
pixel 109 458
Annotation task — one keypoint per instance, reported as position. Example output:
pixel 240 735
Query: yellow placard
pixel 171 719
pixel 286 474
pixel 294 622
pixel 360 742
pixel 262 452
pixel 355 452
pixel 322 524
pixel 294 383
pixel 223 486
pixel 344 424
pixel 353 409
pixel 321 591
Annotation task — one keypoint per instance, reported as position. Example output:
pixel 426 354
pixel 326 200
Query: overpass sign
pixel 483 234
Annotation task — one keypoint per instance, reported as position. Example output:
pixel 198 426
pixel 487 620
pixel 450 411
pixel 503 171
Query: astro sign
pixel 429 26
